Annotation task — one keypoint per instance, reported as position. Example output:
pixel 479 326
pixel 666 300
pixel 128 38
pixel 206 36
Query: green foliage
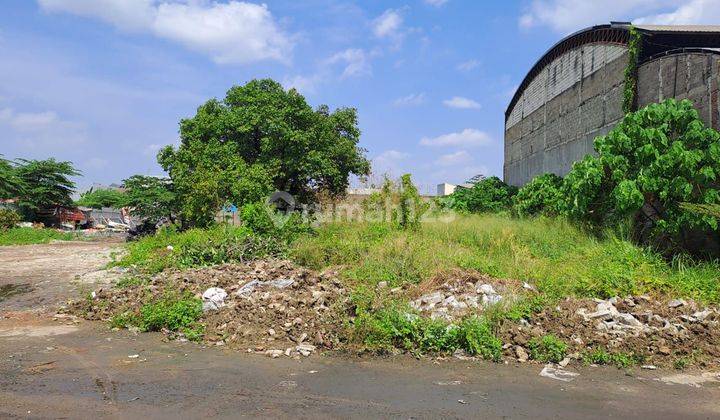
pixel 540 196
pixel 8 219
pixel 28 236
pixel 100 198
pixel 45 183
pixel 411 205
pixel 547 349
pixel 621 360
pixel 150 197
pixel 130 281
pixel 258 139
pixel 266 220
pixel 394 327
pixel 199 247
pixel 656 158
pixel 630 85
pixel 489 195
pixel 170 312
pixel 10 183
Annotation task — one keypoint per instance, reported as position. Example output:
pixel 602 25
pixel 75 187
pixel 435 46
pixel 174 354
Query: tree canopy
pixel 258 139
pixel 45 183
pixel 150 197
pixel 103 197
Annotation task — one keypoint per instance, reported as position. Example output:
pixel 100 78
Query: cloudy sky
pixel 104 82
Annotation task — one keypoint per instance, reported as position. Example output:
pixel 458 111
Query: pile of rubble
pixel 270 307
pixel 657 329
pixel 466 294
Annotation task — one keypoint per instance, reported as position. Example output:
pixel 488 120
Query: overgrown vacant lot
pixel 489 286
pixel 558 258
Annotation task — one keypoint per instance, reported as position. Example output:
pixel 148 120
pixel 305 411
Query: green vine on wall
pixel 631 70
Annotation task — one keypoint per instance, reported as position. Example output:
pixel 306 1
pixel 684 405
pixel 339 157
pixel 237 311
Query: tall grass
pixel 558 258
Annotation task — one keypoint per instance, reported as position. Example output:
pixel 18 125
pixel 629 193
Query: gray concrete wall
pixel 693 76
pixel 575 99
pixel 561 130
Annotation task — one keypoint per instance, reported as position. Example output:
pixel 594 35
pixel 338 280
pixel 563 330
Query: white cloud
pixel 565 16
pixel 467 137
pixel 468 65
pixel 414 99
pixel 236 32
pixel 388 161
pixel 457 158
pixel 32 130
pixel 692 12
pixel 356 61
pixel 303 84
pixel 388 24
pixel 461 103
pixel 436 3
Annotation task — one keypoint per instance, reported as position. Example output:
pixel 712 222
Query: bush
pixel 602 357
pixel 547 349
pixel 541 196
pixel 9 219
pixel 489 195
pixel 263 219
pixel 650 163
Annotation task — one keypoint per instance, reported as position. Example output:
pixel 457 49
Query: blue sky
pixel 103 83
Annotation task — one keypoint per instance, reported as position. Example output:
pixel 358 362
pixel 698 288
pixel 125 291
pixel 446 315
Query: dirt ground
pixel 58 367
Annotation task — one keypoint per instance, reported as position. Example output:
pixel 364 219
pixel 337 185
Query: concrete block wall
pixel 692 75
pixel 574 99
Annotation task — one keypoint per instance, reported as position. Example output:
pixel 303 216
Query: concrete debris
pixel 554 372
pixel 255 284
pixel 648 367
pixel 521 354
pixel 675 303
pixel 691 380
pixel 454 300
pixel 213 299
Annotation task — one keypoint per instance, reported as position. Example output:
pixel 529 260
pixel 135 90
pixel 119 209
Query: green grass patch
pixel 395 328
pixel 603 357
pixel 547 349
pixel 199 247
pixel 28 236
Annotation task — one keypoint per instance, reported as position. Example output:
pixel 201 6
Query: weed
pixel 681 363
pixel 621 360
pixel 173 313
pixel 130 281
pixel 547 349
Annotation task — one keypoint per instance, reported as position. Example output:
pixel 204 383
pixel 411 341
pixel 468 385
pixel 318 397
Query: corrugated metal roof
pixel 680 28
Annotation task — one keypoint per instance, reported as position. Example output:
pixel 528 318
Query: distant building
pixel 445 189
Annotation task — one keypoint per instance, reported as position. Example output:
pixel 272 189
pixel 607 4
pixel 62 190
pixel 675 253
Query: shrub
pixel 650 163
pixel 103 198
pixel 547 349
pixel 173 313
pixel 541 195
pixel 9 219
pixel 489 195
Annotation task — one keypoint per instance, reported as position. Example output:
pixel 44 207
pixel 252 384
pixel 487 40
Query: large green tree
pixel 46 183
pixel 151 198
pixel 258 139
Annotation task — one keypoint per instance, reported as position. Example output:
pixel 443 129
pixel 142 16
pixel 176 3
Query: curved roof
pixel 657 39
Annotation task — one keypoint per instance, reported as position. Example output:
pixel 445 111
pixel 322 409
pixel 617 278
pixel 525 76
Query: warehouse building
pixel 574 93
